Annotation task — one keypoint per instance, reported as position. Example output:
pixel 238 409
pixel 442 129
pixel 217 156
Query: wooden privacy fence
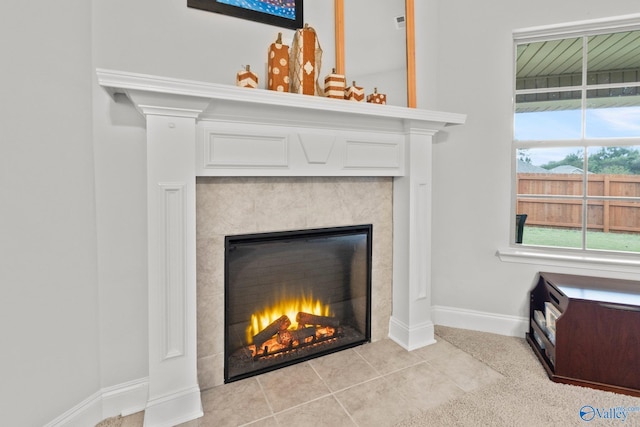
pixel 603 215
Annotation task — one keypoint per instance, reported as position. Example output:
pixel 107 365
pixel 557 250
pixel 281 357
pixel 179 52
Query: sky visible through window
pixel 618 122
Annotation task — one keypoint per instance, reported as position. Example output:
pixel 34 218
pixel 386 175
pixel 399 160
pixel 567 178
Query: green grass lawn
pixel 558 237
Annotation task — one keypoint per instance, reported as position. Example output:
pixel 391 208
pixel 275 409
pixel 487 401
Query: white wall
pixel 472 173
pixel 48 274
pixel 164 37
pixel 375 49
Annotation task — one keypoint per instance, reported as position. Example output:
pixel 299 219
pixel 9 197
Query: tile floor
pixel 377 384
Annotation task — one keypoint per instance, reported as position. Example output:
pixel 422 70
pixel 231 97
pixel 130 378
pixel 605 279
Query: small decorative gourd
pixel 354 93
pixel 247 78
pixel 377 98
pixel 334 85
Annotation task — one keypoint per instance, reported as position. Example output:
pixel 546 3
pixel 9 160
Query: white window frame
pixel 568 257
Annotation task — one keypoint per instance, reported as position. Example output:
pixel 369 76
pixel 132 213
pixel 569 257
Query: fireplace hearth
pixel 295 295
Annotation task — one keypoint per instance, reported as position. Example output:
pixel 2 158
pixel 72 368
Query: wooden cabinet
pixel 596 339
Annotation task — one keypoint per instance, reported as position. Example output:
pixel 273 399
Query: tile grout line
pixel 266 398
pixel 381 374
pixel 332 394
pixel 366 361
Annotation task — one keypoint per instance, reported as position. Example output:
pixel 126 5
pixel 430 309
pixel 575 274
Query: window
pixel 576 142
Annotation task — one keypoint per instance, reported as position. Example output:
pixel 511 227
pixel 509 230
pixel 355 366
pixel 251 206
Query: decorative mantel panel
pixel 203 129
pixel 224 149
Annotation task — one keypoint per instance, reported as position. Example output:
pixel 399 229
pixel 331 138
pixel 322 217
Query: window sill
pixel 574 259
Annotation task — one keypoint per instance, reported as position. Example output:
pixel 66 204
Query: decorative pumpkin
pixel 306 60
pixel 278 66
pixel 334 85
pixel 247 78
pixel 377 98
pixel 354 93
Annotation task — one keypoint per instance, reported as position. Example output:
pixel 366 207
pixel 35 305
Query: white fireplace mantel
pixel 204 129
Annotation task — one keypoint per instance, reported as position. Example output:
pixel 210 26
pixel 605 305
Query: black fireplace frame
pixel 366 229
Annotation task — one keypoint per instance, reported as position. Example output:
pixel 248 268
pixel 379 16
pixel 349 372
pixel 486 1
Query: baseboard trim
pixel 162 412
pixel 86 413
pixel 410 338
pixel 122 399
pixel 125 399
pixel 480 321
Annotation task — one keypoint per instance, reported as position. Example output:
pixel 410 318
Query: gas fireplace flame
pixel 287 310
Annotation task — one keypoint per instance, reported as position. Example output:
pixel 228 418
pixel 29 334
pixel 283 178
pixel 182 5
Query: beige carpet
pixel 111 422
pixel 525 397
pixel 134 420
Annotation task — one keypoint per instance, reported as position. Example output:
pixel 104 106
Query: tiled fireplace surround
pixel 229 206
pixel 267 161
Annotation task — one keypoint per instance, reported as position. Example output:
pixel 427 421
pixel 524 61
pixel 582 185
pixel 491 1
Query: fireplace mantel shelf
pixel 119 82
pixel 204 129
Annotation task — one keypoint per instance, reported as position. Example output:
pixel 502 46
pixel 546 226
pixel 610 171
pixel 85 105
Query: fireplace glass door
pixel 295 295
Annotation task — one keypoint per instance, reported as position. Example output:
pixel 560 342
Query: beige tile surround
pixel 227 206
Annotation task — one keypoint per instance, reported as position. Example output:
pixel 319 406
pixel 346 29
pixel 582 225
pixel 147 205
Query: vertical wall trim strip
pixel 173 277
